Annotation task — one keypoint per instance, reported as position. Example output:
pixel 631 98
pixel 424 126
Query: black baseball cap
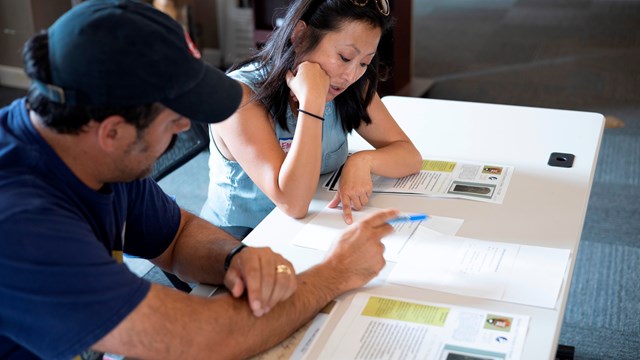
pixel 127 53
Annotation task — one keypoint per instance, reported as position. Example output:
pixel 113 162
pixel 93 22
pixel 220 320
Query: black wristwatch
pixel 231 254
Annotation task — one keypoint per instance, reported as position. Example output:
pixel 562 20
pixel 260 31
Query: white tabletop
pixel 544 205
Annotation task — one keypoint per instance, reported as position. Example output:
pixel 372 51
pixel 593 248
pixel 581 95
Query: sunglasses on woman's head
pixel 383 5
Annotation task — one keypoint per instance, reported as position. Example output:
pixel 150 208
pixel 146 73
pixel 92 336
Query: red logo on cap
pixel 192 47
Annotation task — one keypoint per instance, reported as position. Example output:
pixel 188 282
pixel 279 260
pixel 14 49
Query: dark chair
pixel 189 144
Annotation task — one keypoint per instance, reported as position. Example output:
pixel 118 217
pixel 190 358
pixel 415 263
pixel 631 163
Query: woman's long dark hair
pixel 278 56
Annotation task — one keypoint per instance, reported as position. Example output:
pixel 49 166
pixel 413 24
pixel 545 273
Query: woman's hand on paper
pixel 354 189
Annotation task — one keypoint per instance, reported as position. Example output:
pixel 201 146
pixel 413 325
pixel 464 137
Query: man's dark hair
pixel 70 119
pixel 278 56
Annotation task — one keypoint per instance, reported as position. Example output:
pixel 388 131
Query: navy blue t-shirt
pixel 61 285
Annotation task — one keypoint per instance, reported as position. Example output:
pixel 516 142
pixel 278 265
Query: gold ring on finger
pixel 283 269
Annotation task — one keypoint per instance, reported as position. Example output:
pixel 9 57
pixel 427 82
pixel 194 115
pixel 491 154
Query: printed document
pixel 327 225
pixel 295 346
pixel 377 327
pixel 522 274
pixel 486 182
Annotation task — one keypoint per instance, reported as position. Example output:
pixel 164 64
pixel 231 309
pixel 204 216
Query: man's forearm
pixel 171 324
pixel 316 287
pixel 198 252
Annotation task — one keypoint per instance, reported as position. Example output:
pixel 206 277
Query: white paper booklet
pixel 376 327
pixel 326 226
pixel 486 182
pixel 523 274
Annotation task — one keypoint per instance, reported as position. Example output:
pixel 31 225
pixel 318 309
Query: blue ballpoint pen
pixel 408 218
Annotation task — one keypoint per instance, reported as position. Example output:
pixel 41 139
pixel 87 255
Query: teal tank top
pixel 233 199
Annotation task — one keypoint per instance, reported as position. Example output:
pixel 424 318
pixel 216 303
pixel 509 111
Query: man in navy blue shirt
pixel 113 83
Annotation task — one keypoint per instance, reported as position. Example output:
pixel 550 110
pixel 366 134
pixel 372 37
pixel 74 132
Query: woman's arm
pixel 394 156
pixel 248 137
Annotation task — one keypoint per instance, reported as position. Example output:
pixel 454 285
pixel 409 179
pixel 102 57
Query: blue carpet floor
pixel 578 55
pixel 602 318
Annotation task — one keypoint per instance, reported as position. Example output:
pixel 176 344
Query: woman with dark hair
pixel 312 83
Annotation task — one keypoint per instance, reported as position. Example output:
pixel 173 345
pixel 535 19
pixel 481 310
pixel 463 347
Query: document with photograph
pixel 523 274
pixel 486 182
pixel 376 327
pixel 327 225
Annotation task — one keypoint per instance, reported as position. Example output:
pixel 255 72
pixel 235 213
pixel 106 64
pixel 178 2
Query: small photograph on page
pixel 491 169
pixel 453 356
pixel 452 352
pixel 496 322
pixel 472 189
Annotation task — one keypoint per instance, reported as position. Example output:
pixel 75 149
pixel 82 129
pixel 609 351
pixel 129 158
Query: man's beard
pixel 143 173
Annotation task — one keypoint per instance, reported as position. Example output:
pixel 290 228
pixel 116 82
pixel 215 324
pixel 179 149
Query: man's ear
pixel 298 33
pixel 114 133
